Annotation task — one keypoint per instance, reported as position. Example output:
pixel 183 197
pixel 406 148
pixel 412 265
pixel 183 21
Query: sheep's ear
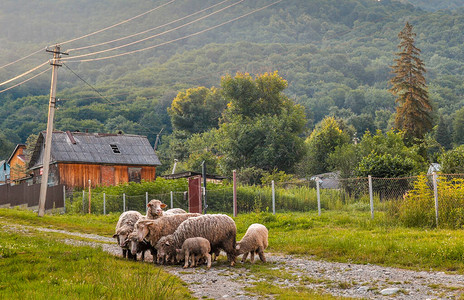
pixel 115 235
pixel 149 204
pixel 163 205
pixel 167 244
pixel 237 247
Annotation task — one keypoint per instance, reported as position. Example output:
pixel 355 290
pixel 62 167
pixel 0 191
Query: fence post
pixel 90 197
pixel 435 193
pixel 234 193
pixel 172 199
pixel 318 197
pixel 146 201
pixel 83 201
pixel 64 198
pixel 371 196
pixel 104 203
pixel 124 202
pixel 273 197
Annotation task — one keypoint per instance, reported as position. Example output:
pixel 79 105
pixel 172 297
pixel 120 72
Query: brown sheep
pixel 194 248
pixel 124 227
pixel 152 230
pixel 219 230
pixel 254 241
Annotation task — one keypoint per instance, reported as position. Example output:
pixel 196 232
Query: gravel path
pixel 339 279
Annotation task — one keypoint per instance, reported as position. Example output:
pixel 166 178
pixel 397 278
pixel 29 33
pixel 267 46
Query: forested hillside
pixel 334 54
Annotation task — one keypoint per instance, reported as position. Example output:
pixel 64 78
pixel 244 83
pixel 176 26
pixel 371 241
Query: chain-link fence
pixel 434 198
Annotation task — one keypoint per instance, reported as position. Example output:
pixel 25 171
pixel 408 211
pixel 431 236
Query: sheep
pixel 152 230
pixel 219 230
pixel 124 227
pixel 194 248
pixel 155 210
pixel 254 241
pixel 139 247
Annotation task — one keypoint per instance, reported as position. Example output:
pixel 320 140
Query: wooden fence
pixel 23 194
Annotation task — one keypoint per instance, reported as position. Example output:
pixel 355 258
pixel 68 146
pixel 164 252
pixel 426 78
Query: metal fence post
pixel 371 196
pixel 104 203
pixel 83 201
pixel 435 193
pixel 273 197
pixel 318 197
pixel 146 201
pixel 172 199
pixel 124 202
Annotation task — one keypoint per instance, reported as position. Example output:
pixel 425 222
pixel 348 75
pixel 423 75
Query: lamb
pixel 219 230
pixel 139 247
pixel 254 241
pixel 155 210
pixel 194 248
pixel 124 227
pixel 152 230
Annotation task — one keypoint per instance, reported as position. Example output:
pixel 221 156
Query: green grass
pixel 35 266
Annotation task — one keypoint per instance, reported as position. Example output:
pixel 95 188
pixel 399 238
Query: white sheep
pixel 254 241
pixel 219 230
pixel 155 210
pixel 124 227
pixel 194 249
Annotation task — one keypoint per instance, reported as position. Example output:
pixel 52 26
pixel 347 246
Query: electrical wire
pixel 22 58
pixel 24 74
pixel 18 84
pixel 148 30
pixel 178 39
pixel 158 34
pixel 91 86
pixel 117 24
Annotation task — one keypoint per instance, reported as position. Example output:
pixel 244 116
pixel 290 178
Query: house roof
pixel 18 146
pixel 191 174
pixel 96 148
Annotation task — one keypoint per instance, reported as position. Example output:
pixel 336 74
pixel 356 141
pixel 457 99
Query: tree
pixel 452 161
pixel 442 134
pixel 197 109
pixel 458 127
pixel 261 127
pixel 413 113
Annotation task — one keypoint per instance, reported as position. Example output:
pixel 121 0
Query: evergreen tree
pixel 442 134
pixel 413 113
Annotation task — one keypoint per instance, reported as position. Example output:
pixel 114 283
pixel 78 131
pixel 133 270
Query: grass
pixel 35 266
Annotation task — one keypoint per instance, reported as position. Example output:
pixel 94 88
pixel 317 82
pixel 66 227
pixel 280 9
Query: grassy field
pixel 40 266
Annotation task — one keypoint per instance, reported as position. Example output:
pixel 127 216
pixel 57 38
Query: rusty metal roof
pixel 96 148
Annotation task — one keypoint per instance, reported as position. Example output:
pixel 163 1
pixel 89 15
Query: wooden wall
pixel 78 175
pixel 17 165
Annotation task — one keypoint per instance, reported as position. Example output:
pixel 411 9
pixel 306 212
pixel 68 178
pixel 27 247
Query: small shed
pixel 104 159
pixel 4 172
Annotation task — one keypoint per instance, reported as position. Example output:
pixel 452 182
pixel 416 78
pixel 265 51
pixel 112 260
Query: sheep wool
pixel 254 241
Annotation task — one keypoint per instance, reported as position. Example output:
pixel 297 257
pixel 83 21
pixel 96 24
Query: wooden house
pixel 17 162
pixel 104 159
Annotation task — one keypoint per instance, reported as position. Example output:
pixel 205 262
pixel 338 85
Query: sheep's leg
pixel 208 261
pixel 261 254
pixel 244 256
pixel 186 264
pixel 143 255
pixel 252 256
pixel 124 253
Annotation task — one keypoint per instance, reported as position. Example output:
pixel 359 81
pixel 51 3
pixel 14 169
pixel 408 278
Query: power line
pixel 23 58
pixel 91 86
pixel 178 39
pixel 158 34
pixel 117 24
pixel 18 84
pixel 148 30
pixel 24 74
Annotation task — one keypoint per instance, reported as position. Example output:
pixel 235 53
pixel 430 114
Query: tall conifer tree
pixel 414 111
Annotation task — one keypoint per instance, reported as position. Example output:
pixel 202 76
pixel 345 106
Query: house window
pixel 115 148
pixel 135 174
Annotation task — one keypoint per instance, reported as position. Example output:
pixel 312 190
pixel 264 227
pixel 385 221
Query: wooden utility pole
pixel 55 62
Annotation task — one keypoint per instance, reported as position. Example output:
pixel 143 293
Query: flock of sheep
pixel 174 236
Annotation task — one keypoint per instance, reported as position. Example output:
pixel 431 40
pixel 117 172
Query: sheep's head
pixel 237 249
pixel 141 229
pixel 155 208
pixel 180 254
pixel 165 247
pixel 133 243
pixel 122 234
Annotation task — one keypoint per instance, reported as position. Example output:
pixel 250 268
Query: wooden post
pixel 83 201
pixel 234 193
pixel 146 202
pixel 64 198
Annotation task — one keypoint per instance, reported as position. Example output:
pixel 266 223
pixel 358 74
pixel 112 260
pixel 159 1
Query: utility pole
pixel 55 62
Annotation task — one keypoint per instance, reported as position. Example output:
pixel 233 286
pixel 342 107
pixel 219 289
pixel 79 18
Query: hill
pixel 335 55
